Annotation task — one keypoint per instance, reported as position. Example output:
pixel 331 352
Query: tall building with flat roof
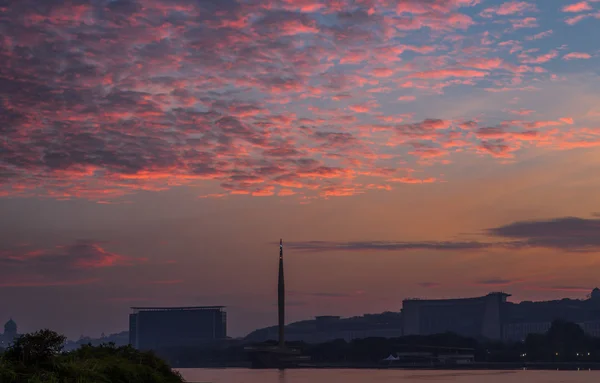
pixel 473 317
pixel 153 328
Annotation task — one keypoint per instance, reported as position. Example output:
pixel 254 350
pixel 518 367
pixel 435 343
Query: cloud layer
pixel 99 99
pixel 63 265
pixel 569 234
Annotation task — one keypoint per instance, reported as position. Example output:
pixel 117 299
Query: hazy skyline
pixel 153 152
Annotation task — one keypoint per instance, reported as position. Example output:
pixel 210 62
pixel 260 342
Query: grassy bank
pixel 38 358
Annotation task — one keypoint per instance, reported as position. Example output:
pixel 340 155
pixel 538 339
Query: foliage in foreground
pixel 37 358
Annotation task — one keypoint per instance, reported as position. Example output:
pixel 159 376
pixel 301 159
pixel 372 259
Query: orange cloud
pixel 411 180
pixel 340 191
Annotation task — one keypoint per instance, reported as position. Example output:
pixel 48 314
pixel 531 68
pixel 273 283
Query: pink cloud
pixel 539 59
pixel 576 55
pixel 577 7
pixel 304 5
pixel 360 108
pixel 354 56
pixel 527 22
pixel 576 19
pixel 497 148
pixel 82 262
pixel 567 120
pixel 446 73
pixel 407 98
pixel 382 72
pixel 93 256
pixel 510 8
pixel 379 187
pixel 269 100
pixel 484 63
pixel 540 35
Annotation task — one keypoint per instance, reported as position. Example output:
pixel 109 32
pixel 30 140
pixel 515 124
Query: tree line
pixel 39 358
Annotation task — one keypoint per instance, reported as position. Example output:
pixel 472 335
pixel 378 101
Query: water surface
pixel 239 375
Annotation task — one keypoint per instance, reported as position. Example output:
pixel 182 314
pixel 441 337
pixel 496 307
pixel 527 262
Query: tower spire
pixel 281 297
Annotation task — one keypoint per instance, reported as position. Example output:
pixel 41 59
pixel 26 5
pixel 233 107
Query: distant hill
pixel 327 328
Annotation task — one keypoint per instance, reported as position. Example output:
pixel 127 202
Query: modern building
pixel 154 328
pixel 480 317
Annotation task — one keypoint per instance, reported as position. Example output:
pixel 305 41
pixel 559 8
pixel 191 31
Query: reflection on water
pixel 238 375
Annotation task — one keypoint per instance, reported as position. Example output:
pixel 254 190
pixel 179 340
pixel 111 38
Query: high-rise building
pixel 154 328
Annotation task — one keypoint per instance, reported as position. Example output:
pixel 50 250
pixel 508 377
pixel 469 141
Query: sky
pixel 153 152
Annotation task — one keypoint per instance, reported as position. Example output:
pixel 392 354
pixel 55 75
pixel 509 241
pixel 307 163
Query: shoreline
pixel 539 366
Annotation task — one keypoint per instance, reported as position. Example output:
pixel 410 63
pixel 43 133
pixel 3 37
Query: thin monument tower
pixel 281 297
pixel 278 356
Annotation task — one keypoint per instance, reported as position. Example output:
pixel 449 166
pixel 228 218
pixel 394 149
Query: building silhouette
pixel 10 333
pixel 480 317
pixel 524 318
pixel 154 328
pixel 491 316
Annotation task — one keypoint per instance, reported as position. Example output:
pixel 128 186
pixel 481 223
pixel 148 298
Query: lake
pixel 239 375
